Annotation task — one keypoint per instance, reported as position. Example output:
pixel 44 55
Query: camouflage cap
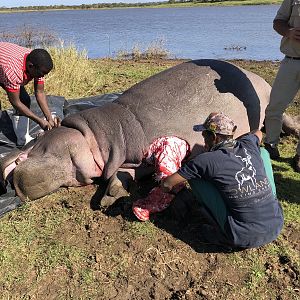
pixel 217 123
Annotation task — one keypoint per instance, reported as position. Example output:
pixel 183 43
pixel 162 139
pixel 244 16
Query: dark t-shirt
pixel 254 214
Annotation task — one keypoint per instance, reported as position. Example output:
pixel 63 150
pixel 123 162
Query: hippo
pixel 97 142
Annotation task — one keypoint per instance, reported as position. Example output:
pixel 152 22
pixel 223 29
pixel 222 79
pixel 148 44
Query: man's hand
pixel 294 33
pixel 40 95
pixel 54 121
pixel 57 121
pixel 282 27
pixel 45 125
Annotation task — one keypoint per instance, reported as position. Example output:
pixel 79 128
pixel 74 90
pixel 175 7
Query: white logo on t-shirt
pixel 247 173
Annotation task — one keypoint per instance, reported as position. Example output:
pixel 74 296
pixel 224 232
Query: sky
pixel 16 3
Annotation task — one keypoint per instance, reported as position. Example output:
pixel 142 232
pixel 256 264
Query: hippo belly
pixel 171 102
pixel 97 141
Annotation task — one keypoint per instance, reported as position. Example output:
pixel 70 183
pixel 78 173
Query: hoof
pixel 291 125
pixel 107 201
pixel 117 191
pixel 114 193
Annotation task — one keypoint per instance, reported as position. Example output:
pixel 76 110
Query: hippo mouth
pixel 8 165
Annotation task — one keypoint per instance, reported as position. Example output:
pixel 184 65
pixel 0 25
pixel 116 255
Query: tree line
pixel 105 5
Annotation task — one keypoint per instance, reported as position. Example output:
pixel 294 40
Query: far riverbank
pixel 105 6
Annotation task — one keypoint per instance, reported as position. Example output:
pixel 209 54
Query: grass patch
pixel 74 74
pixel 146 229
pixel 155 50
pixel 31 248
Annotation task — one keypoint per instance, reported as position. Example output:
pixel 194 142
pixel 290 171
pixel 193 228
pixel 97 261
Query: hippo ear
pixel 32 181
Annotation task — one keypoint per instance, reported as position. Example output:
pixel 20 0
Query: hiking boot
pixel 296 163
pixel 273 151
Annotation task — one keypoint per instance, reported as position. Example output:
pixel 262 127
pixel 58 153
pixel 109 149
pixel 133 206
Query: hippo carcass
pixel 98 141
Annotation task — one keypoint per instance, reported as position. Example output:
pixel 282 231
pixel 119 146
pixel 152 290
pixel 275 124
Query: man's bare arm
pixel 171 181
pixel 43 103
pixel 22 109
pixel 259 134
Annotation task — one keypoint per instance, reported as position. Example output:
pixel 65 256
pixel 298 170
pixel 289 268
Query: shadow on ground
pixel 182 222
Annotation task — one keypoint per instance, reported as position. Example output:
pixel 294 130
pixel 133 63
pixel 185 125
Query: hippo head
pixel 62 157
pixel 39 176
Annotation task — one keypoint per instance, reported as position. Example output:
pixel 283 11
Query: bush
pixel 73 74
pixel 30 37
pixel 155 50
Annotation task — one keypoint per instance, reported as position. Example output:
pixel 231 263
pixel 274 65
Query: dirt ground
pixel 161 259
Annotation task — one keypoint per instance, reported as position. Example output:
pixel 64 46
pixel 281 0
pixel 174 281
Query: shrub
pixel 155 50
pixel 30 37
pixel 73 74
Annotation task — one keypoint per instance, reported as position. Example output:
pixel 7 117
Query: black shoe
pixel 296 163
pixel 273 151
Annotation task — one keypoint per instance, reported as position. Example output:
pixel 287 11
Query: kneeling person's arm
pixel 171 181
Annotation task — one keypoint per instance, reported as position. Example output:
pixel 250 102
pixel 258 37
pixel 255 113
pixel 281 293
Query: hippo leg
pixel 116 188
pixel 290 125
pixel 120 183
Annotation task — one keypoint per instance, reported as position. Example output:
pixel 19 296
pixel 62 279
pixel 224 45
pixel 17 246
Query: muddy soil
pixel 165 258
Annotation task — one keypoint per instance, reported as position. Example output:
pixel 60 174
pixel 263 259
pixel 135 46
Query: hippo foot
pixel 116 188
pixel 115 192
pixel 118 191
pixel 291 125
pixel 107 201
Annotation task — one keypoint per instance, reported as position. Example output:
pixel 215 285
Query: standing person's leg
pixel 285 87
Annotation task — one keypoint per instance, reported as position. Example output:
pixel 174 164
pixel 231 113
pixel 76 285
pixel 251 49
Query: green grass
pixel 30 228
pixel 137 229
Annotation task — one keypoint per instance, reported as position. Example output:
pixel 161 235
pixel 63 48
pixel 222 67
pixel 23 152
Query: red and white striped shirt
pixel 13 67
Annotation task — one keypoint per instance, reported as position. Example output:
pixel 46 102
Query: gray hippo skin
pixel 98 141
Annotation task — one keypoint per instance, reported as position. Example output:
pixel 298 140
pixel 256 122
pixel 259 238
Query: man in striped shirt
pixel 18 66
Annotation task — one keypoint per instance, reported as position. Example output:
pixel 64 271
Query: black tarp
pixel 59 106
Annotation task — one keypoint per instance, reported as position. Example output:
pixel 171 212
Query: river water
pixel 242 32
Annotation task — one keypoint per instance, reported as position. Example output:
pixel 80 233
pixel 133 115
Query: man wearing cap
pixel 231 184
pixel 18 66
pixel 287 81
